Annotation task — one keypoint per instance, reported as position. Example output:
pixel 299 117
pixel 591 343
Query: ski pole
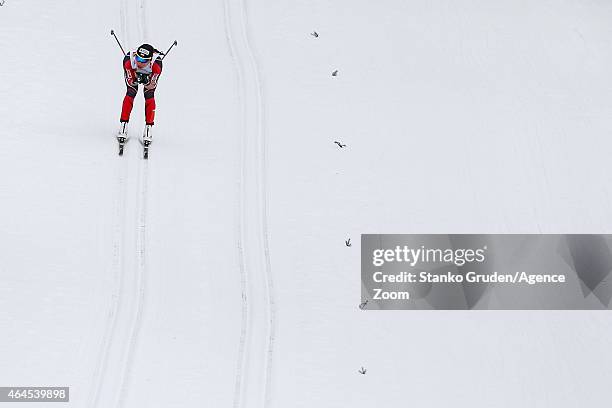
pixel 118 43
pixel 166 53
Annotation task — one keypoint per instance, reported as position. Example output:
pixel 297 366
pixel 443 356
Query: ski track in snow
pixel 240 232
pixel 142 19
pixel 123 359
pixel 256 343
pixel 253 245
pixel 118 278
pixel 143 173
pixel 118 263
pixel 141 260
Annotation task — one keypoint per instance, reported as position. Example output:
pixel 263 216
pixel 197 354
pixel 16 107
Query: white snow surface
pixel 215 274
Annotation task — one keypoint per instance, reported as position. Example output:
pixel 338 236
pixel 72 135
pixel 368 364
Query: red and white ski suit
pixel 153 69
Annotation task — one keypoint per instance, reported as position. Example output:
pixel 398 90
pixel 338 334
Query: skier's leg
pixel 128 103
pixel 149 95
pixel 128 100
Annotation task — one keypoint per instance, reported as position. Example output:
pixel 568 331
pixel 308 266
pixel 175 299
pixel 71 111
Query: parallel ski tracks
pixel 141 275
pixel 123 342
pixel 118 267
pixel 141 254
pixel 253 241
pixel 118 262
pixel 257 333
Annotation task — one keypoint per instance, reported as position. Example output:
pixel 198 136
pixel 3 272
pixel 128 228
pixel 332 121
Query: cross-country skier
pixel 143 66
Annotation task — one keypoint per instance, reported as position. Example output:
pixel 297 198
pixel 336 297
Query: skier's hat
pixel 145 51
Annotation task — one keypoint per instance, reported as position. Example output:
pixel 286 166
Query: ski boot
pixel 147 135
pixel 122 136
pixel 147 139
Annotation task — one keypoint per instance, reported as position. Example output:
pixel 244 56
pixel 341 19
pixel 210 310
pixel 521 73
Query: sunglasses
pixel 140 59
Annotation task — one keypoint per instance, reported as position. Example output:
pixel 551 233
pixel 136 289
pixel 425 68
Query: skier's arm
pixel 155 74
pixel 130 74
pixel 132 88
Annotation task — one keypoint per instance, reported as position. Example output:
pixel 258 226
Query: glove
pixel 143 78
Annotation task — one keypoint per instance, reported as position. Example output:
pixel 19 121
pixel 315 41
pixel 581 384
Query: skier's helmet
pixel 144 53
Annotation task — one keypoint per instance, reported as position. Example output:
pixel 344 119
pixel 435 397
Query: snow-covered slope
pixel 216 273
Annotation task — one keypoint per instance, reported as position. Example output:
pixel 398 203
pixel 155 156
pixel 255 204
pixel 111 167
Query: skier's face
pixel 141 62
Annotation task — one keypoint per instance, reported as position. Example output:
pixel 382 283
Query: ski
pixel 145 149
